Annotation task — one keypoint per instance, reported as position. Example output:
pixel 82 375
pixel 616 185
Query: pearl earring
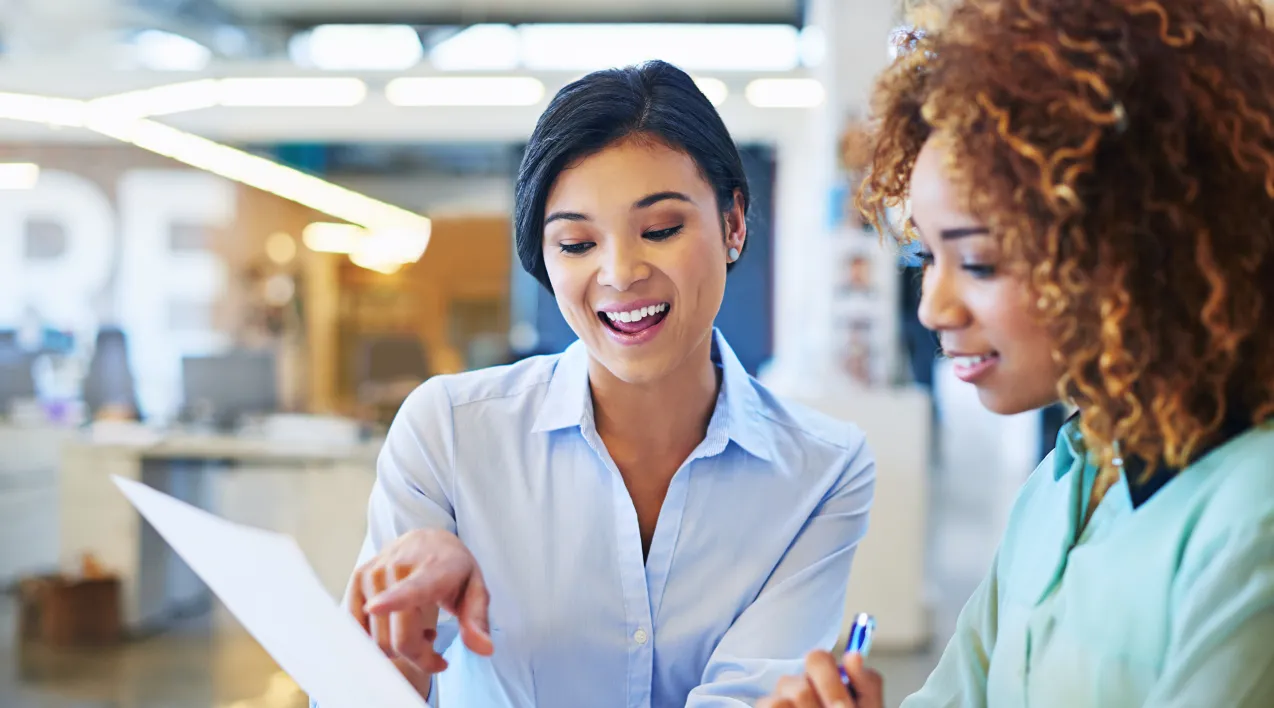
pixel 734 254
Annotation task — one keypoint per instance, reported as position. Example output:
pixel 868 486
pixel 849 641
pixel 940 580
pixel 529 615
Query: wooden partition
pixel 454 303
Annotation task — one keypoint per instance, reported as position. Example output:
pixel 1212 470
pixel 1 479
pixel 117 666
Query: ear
pixel 734 224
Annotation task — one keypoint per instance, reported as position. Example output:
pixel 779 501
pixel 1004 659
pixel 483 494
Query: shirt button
pixel 640 636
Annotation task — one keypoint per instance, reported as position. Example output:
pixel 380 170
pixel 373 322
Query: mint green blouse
pixel 1165 601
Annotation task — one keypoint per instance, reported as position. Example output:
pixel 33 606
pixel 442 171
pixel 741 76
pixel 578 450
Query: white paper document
pixel 265 581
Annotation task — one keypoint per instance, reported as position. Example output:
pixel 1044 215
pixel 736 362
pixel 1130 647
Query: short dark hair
pixel 654 99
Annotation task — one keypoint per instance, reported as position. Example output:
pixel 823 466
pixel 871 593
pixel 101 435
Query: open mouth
pixel 631 322
pixel 972 367
pixel 968 362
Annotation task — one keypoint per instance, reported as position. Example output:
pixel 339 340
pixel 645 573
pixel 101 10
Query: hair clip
pixel 1121 117
pixel 905 39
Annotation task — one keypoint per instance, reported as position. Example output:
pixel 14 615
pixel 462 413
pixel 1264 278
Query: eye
pixel 925 258
pixel 981 271
pixel 664 234
pixel 576 249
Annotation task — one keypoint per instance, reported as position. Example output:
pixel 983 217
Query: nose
pixel 623 265
pixel 941 307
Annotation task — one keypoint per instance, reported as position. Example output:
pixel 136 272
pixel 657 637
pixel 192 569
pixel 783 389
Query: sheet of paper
pixel 265 581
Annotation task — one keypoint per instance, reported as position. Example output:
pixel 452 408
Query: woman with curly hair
pixel 1091 183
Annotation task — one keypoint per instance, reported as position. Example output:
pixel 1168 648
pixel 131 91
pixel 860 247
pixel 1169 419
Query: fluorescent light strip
pixel 165 51
pixel 714 89
pixel 693 47
pixel 19 175
pixel 312 92
pixel 292 92
pixel 159 100
pixel 786 93
pixel 323 237
pixel 465 91
pixel 259 172
pixel 358 47
pixel 585 47
pixel 406 233
pixel 482 47
pixel 386 251
pixel 42 109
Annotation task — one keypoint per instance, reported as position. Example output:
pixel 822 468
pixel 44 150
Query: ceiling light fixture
pixel 19 175
pixel 302 92
pixel 357 47
pixel 465 91
pixel 785 93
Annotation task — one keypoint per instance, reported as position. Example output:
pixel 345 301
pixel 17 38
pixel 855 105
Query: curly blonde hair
pixel 1122 151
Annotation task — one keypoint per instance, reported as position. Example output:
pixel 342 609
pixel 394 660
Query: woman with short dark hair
pixel 634 522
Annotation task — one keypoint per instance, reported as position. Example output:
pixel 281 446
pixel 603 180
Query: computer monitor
pixel 230 386
pixel 16 379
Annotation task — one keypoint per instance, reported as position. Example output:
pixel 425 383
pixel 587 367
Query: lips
pixel 635 319
pixel 971 368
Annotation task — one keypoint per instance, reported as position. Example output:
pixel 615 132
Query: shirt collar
pixel 741 403
pixel 737 416
pixel 1070 449
pixel 567 402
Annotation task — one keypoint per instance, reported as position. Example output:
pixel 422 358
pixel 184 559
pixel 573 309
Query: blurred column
pixel 854 48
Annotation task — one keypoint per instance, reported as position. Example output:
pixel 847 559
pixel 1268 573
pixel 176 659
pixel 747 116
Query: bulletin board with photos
pixel 865 297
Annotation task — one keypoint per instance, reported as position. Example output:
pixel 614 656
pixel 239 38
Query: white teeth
pixel 970 361
pixel 636 315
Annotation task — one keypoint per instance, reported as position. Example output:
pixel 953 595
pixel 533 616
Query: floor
pixel 194 667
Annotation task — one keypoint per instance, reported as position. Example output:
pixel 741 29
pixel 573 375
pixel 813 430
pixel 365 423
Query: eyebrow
pixel 652 199
pixel 565 216
pixel 953 234
pixel 646 201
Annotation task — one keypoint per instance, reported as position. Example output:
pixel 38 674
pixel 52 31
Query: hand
pixel 396 597
pixel 821 687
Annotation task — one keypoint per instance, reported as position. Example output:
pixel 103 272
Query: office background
pixel 234 234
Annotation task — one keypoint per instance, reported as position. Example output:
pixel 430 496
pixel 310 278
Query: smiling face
pixel 978 307
pixel 635 250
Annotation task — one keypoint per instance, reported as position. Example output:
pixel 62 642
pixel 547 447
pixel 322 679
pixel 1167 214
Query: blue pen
pixel 859 642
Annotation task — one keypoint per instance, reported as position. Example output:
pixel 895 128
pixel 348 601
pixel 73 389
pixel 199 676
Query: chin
pixel 1007 403
pixel 636 373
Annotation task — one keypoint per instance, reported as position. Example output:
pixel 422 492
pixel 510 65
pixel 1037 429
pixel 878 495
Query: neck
pixel 665 415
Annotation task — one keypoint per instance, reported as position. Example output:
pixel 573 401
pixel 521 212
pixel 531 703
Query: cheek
pixel 700 290
pixel 1013 323
pixel 570 285
pixel 699 269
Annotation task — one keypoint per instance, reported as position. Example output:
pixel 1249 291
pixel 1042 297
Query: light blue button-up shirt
pixel 746 572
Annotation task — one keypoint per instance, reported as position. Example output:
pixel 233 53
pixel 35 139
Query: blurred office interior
pixel 234 234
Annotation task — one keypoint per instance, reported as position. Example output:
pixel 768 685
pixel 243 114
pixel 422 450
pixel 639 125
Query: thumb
pixel 475 627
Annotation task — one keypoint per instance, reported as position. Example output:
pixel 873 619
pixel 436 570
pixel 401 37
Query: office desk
pixel 316 494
